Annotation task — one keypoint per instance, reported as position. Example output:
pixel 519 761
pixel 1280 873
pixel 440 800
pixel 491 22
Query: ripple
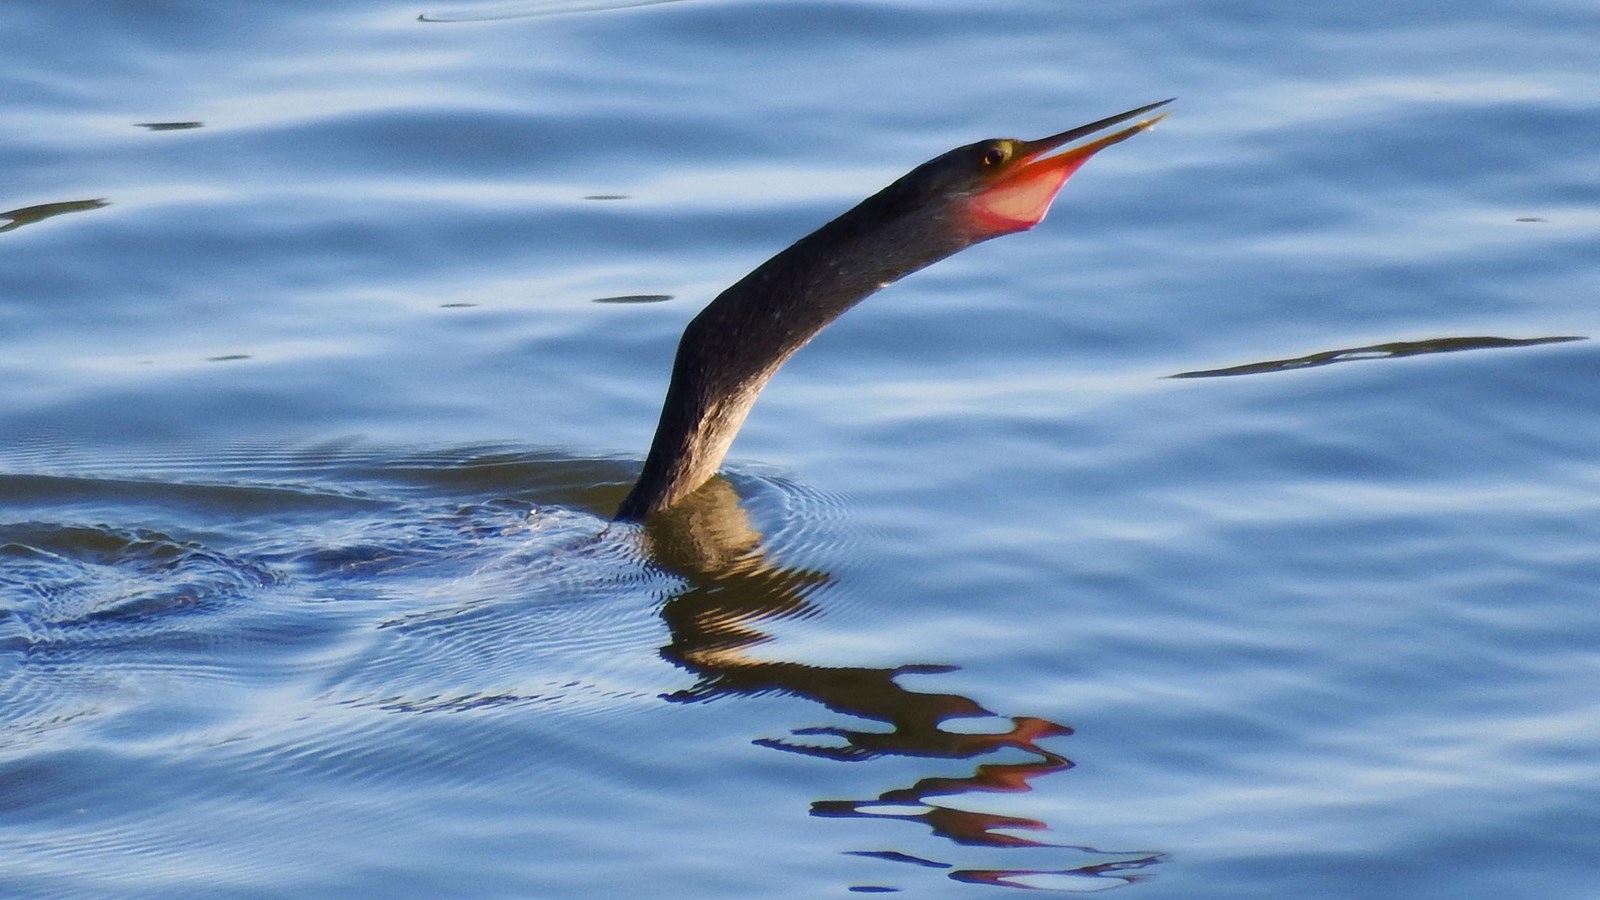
pixel 28 215
pixel 1391 350
pixel 91 612
pixel 89 575
pixel 535 9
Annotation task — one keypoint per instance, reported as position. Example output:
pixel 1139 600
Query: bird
pixel 736 344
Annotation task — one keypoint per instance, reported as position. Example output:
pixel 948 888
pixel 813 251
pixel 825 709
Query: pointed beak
pixel 1022 196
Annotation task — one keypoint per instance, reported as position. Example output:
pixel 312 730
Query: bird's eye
pixel 994 156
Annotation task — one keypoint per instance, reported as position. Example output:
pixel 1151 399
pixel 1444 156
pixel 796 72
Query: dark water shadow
pixel 28 215
pixel 533 9
pixel 633 298
pixel 734 590
pixel 169 126
pixel 1393 350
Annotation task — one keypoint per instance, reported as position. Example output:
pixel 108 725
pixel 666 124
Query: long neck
pixel 733 347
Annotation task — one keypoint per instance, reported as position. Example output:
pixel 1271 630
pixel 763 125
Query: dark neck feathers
pixel 733 347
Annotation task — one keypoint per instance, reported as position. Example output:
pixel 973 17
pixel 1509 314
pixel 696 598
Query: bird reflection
pixel 732 594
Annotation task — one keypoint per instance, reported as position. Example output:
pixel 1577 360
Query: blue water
pixel 313 420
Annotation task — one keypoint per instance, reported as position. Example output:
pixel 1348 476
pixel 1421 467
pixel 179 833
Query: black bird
pixel 733 347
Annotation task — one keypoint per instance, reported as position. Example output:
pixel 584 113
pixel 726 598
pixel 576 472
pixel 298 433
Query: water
pixel 313 420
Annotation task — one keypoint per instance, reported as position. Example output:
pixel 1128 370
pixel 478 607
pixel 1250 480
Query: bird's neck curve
pixel 734 346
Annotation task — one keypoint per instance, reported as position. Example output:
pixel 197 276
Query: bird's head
pixel 1004 185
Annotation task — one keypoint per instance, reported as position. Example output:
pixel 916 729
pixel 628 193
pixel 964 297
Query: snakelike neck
pixel 734 346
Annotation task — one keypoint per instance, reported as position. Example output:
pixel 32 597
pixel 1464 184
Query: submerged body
pixel 733 347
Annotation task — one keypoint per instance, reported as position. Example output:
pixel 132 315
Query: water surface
pixel 332 336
